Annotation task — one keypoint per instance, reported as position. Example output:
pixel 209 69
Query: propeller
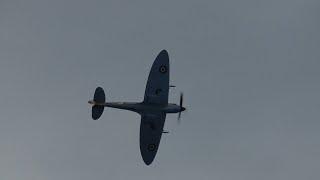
pixel 182 108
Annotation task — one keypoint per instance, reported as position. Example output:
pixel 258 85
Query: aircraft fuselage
pixel 143 107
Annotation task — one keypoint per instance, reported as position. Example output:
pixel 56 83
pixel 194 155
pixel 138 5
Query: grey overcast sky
pixel 249 70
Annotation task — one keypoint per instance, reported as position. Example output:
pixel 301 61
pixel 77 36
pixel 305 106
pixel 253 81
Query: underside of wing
pixel 151 129
pixel 158 81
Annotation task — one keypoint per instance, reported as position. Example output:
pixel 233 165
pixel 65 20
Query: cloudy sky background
pixel 249 70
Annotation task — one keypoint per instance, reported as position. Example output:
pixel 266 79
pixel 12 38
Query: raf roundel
pixel 151 147
pixel 158 91
pixel 163 69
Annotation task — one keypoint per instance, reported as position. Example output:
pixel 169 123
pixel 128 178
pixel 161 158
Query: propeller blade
pixel 181 103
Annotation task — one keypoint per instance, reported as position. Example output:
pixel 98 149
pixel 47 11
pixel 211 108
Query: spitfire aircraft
pixel 153 108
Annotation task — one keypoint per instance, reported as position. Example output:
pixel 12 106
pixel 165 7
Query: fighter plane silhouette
pixel 153 108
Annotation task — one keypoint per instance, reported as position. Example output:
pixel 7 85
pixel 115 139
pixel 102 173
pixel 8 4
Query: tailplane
pixel 98 102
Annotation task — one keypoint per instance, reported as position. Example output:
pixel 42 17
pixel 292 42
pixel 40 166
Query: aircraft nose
pixel 183 109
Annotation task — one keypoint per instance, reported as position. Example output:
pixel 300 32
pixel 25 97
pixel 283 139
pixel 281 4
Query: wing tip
pixel 164 52
pixel 162 57
pixel 147 161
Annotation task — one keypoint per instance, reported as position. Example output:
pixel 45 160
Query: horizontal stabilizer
pixel 99 96
pixel 97 111
pixel 98 102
